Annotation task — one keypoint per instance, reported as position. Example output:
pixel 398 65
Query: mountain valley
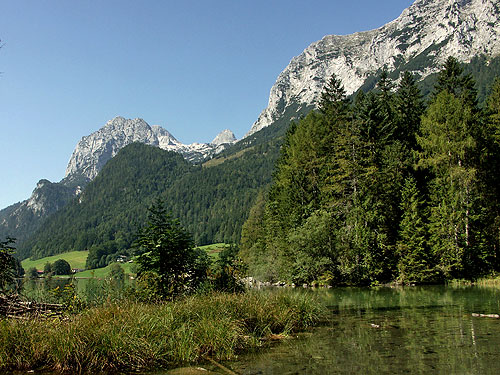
pixel 212 186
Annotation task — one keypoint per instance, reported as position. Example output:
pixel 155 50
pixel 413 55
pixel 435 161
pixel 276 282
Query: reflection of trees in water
pixel 91 291
pixel 393 330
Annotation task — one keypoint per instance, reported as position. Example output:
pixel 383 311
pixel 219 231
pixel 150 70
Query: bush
pixel 61 267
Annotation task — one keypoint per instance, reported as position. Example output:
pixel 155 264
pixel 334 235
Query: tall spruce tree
pixel 409 108
pixel 165 255
pixel 449 151
pixel 8 266
pixel 414 263
pixel 333 99
pixel 490 177
pixel 452 79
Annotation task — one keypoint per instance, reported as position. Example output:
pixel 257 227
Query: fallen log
pixel 12 306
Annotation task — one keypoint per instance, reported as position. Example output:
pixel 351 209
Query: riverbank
pixel 134 336
pixel 491 280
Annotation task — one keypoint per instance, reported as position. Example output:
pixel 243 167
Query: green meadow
pixel 76 259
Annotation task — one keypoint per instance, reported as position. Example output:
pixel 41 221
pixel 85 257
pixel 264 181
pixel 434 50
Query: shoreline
pixel 132 336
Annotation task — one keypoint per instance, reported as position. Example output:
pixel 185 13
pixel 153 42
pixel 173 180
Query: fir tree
pixel 414 263
pixel 409 108
pixel 453 80
pixel 165 254
pixel 7 263
pixel 449 151
pixel 333 97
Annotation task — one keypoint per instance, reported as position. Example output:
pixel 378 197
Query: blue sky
pixel 194 67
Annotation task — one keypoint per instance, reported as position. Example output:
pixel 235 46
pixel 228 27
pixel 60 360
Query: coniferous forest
pixel 211 201
pixel 384 187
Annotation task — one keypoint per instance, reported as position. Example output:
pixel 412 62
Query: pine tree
pixel 414 264
pixel 333 98
pixel 165 254
pixel 490 178
pixel 449 151
pixel 453 80
pixel 7 263
pixel 385 109
pixel 409 108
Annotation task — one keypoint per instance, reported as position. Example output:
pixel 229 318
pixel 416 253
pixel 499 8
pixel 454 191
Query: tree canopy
pixel 61 267
pixel 384 188
pixel 166 256
pixel 8 265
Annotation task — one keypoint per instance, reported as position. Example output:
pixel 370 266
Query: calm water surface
pixel 415 330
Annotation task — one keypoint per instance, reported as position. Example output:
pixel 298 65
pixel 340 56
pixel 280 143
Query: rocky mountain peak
pixel 224 137
pixel 419 40
pixel 94 150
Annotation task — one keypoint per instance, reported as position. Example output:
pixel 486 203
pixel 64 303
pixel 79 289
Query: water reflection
pixel 417 330
pixel 88 291
pixel 392 331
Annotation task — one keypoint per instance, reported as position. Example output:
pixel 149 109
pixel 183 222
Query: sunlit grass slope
pixel 76 259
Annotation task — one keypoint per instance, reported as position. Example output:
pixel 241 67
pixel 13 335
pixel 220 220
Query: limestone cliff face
pixel 94 150
pixel 428 31
pixel 21 219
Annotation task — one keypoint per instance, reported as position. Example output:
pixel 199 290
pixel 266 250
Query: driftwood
pixel 12 306
pixel 222 367
pixel 496 316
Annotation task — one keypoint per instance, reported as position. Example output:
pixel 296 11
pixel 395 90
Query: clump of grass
pixel 137 336
pixel 492 280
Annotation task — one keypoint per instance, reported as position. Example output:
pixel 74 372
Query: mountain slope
pixel 95 150
pixel 212 203
pixel 419 40
pixel 20 220
pixel 90 155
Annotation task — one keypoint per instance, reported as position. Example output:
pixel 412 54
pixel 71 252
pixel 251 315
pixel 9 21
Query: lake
pixel 411 330
pixel 384 330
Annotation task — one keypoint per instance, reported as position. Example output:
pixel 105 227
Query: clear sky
pixel 195 67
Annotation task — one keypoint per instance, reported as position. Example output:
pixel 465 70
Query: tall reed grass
pixel 136 336
pixel 492 280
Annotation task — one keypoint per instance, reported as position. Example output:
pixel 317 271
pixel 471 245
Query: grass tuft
pixel 135 336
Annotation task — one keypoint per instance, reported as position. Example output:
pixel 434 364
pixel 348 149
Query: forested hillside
pixel 211 202
pixel 384 188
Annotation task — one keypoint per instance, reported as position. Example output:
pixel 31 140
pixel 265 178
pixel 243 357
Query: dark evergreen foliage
pixel 212 202
pixel 165 253
pixel 347 205
pixel 342 169
pixel 8 265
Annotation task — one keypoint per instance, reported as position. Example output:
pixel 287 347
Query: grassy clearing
pixel 133 336
pixel 216 161
pixel 103 272
pixel 76 259
pixel 214 249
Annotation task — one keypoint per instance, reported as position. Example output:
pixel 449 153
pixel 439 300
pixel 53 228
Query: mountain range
pixel 95 150
pixel 419 41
